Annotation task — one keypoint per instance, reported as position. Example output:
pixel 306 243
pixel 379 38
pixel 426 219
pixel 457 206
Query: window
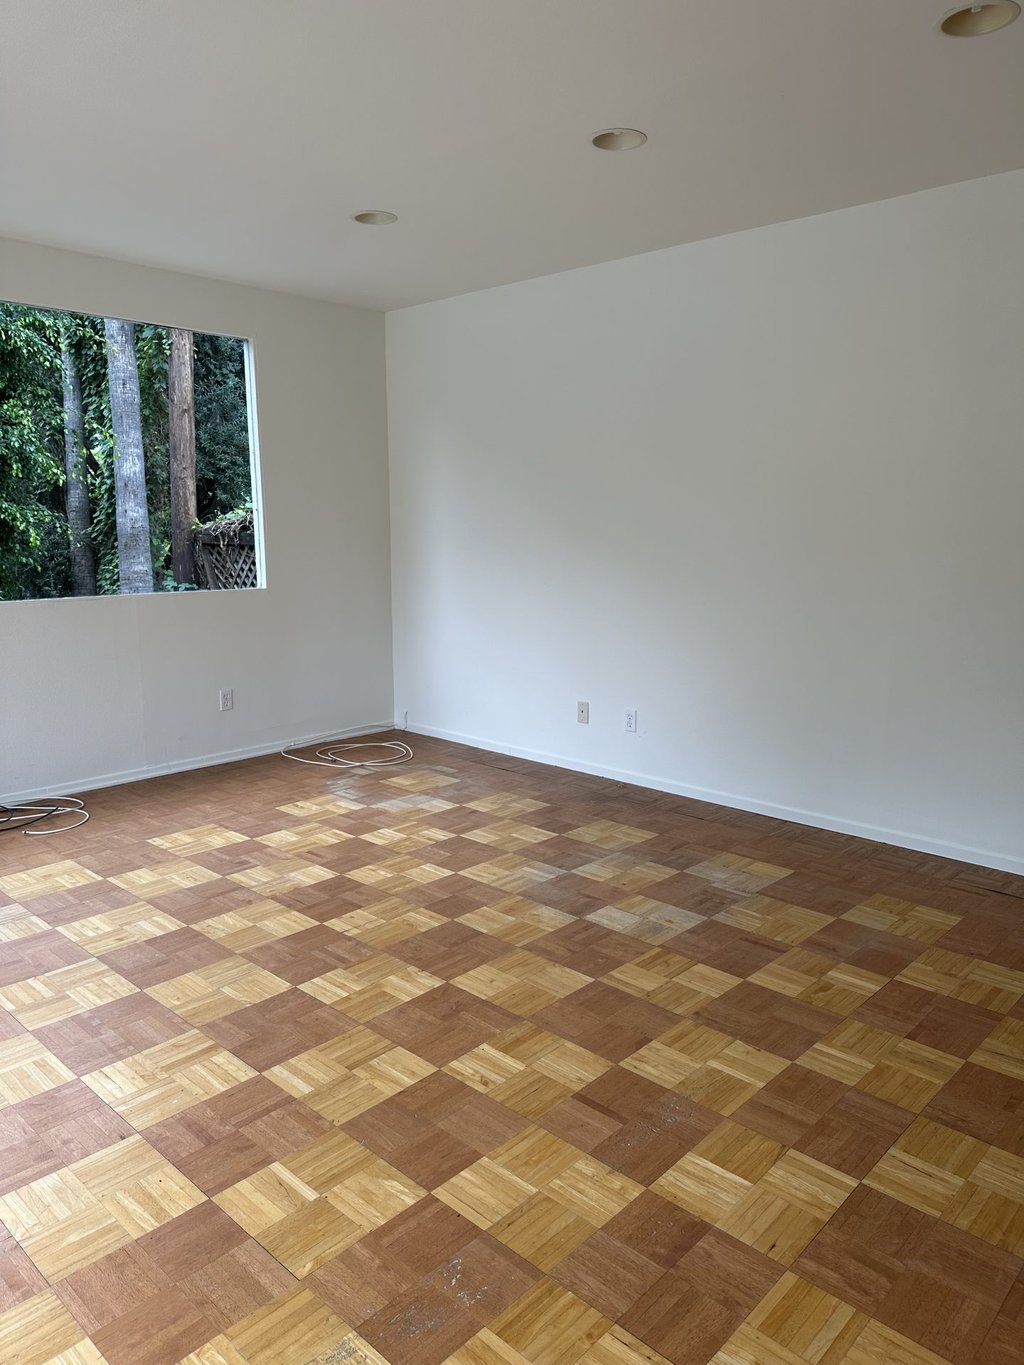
pixel 127 458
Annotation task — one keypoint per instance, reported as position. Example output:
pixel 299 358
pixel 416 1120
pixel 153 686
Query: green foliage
pixel 34 535
pixel 223 478
pixel 34 541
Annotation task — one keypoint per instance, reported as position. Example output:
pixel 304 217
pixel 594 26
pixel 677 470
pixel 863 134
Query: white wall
pixel 120 686
pixel 768 489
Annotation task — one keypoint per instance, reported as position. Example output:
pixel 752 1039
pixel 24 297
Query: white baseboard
pixel 75 785
pixel 1004 862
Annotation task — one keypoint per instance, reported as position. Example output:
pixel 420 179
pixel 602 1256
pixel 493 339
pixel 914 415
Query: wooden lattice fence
pixel 226 557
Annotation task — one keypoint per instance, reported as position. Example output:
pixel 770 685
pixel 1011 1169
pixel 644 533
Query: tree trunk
pixel 76 489
pixel 134 556
pixel 182 412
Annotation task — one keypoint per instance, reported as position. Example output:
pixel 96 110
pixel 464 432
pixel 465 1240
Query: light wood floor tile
pixel 27 1069
pixel 166 1079
pixel 41 1330
pixel 18 922
pixel 894 916
pixel 733 872
pixel 550 1326
pixel 113 929
pixel 199 839
pixel 292 1330
pixel 285 874
pixel 970 979
pixel 46 880
pixel 165 878
pixel 42 1000
pixel 1003 1049
pixel 262 922
pixel 618 1347
pixel 218 989
pixel 774 919
pixel 486 1349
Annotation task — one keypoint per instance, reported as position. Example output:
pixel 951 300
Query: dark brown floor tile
pixel 579 1123
pixel 695 894
pixel 815 893
pixel 191 1241
pixel 657 1230
pixel 983 1103
pixel 606 1020
pixel 954 1026
pixel 210 1144
pixel 73 1121
pixel 109 1033
pixel 483 1277
pixel 607 1274
pixel 886 954
pixel 436 1097
pixel 656 1127
pixel 443 1023
pixel 271 1032
pixel 854 1134
pixel 732 1272
pixel 34 956
pixel 420 1149
pixel 311 952
pixel 285 1129
pixel 26 1157
pixel 449 950
pixel 1004 1343
pixel 234 1285
pixel 360 1282
pixel 926 1279
pixel 159 959
pixel 861 1252
pixel 215 1164
pixel 693 1309
pixel 247 1103
pixel 896 1008
pixel 423 1237
pixel 20 1278
pixel 622 1094
pixel 112 1286
pixel 420 1327
pixel 791 1103
pixel 766 1020
pixel 482 1123
pixel 589 948
pixel 159 1331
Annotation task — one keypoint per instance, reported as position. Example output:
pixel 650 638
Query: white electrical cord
pixel 331 755
pixel 25 815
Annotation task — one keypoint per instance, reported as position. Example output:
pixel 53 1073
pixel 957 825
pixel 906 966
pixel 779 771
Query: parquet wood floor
pixel 483 1062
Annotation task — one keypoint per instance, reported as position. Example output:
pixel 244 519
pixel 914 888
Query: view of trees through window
pixel 125 463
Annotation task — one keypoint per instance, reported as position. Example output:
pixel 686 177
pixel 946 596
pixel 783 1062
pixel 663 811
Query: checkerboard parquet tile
pixel 486 1063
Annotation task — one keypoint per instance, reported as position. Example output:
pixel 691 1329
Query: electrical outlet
pixel 631 722
pixel 227 698
pixel 583 712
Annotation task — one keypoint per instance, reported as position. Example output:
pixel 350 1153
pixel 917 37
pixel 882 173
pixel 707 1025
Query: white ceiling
pixel 235 137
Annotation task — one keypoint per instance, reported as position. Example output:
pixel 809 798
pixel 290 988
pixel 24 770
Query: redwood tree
pixel 76 487
pixel 134 554
pixel 181 405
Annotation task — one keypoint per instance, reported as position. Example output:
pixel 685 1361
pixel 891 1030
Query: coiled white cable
pixel 331 755
pixel 25 815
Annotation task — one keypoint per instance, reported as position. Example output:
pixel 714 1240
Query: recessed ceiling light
pixel 971 21
pixel 619 139
pixel 375 217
